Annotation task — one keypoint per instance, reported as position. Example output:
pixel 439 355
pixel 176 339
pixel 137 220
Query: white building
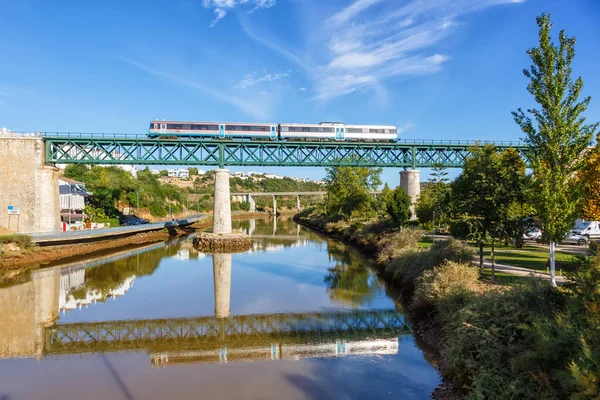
pixel 178 173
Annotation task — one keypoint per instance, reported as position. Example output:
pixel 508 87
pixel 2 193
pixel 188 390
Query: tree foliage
pixel 348 191
pixel 556 132
pixel 589 178
pixel 397 205
pixel 486 192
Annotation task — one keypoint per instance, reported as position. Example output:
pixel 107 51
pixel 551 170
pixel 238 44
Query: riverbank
pixel 21 254
pixel 494 341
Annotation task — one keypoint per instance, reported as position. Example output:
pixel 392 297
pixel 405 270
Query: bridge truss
pixel 206 333
pixel 134 149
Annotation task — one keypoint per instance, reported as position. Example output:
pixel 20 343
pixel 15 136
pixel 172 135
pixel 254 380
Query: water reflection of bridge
pixel 261 331
pixel 29 324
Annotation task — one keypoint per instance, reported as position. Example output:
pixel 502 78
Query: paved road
pixel 58 237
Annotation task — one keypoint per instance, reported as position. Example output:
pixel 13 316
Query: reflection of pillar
pixel 47 291
pixel 252 203
pixel 297 229
pixel 298 203
pixel 274 224
pixel 410 181
pixel 222 281
pixel 222 203
pixel 252 227
pixel 274 205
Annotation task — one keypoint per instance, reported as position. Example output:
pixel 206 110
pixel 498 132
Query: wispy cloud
pixel 221 7
pixel 368 42
pixel 253 79
pixel 257 110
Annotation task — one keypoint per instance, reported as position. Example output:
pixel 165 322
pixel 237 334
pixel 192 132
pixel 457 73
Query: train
pixel 324 131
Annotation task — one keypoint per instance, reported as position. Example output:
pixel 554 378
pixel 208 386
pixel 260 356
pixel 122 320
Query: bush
pixel 448 280
pixel 408 268
pixel 394 245
pixel 23 241
pixel 499 345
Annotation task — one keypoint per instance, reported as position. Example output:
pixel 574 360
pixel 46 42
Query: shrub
pixel 394 245
pixel 408 268
pixel 506 344
pixel 448 280
pixel 23 241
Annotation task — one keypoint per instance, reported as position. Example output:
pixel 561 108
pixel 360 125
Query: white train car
pixel 376 133
pixel 324 131
pixel 217 130
pixel 337 131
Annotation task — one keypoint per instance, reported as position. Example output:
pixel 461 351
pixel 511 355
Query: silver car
pixel 573 238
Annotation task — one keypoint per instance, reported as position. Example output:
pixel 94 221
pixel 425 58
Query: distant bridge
pixel 84 148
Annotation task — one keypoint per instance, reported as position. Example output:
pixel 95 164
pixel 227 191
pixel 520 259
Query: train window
pixel 393 131
pixel 376 130
pixel 173 126
pixel 284 129
pixel 186 126
pixel 354 130
pixel 213 127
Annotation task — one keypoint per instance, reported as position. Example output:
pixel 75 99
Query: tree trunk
pixel 481 256
pixel 493 262
pixel 552 263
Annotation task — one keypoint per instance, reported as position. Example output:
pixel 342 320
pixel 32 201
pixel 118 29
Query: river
pixel 299 316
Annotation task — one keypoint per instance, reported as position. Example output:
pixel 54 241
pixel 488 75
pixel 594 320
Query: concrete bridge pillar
pixel 298 203
pixel 27 184
pixel 274 224
pixel 222 203
pixel 410 180
pixel 250 200
pixel 274 205
pixel 222 282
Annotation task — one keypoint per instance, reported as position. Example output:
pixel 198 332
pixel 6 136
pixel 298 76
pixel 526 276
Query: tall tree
pixel 348 190
pixel 556 133
pixel 398 206
pixel 485 192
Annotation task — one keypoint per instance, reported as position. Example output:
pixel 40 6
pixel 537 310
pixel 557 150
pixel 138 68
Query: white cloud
pixel 253 79
pixel 370 41
pixel 256 109
pixel 221 7
pixel 302 89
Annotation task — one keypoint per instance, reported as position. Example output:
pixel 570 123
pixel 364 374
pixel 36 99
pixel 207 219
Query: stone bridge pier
pixel 27 184
pixel 221 223
pixel 410 180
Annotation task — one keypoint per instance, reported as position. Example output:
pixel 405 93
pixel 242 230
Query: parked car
pixel 532 234
pixel 590 229
pixel 573 238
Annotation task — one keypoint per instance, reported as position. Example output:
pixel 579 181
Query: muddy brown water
pixel 296 317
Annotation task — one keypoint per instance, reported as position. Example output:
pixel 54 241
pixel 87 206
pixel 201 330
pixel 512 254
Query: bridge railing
pixel 408 142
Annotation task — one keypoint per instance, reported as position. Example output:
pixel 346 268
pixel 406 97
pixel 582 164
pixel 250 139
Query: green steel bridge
pixel 84 148
pixel 209 333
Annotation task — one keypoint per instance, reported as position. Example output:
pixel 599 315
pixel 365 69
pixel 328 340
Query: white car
pixel 532 234
pixel 573 238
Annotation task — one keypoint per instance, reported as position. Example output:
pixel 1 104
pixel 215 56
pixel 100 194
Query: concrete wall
pixel 27 183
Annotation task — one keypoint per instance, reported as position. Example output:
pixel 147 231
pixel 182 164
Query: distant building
pixel 72 200
pixel 178 173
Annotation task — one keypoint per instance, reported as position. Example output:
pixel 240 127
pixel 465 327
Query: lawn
pixel 504 278
pixel 532 257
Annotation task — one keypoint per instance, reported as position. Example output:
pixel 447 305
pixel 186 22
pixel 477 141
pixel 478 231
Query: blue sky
pixel 437 69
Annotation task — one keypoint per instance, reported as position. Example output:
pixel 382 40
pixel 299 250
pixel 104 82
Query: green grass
pixel 23 241
pixel 425 242
pixel 505 279
pixel 532 258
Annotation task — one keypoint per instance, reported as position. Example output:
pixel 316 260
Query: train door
pixel 163 127
pixel 339 133
pixel 221 131
pixel 273 135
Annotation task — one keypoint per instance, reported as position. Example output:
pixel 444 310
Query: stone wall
pixel 27 183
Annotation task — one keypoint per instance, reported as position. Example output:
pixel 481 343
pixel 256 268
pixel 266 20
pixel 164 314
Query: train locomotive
pixel 322 132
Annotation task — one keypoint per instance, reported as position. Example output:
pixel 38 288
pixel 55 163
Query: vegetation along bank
pixel 498 336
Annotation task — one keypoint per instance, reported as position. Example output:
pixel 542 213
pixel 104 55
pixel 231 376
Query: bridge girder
pixel 142 150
